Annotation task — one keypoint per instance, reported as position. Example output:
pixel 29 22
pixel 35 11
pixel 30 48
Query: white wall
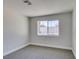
pixel 15 30
pixel 64 39
pixel 74 33
pixel 74 29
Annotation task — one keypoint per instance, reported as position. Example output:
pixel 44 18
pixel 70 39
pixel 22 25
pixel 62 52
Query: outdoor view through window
pixel 48 27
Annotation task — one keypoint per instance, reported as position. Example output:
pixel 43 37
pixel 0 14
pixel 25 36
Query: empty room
pixel 39 29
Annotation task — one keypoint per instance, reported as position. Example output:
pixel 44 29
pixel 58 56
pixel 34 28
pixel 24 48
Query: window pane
pixel 48 27
pixel 53 27
pixel 42 27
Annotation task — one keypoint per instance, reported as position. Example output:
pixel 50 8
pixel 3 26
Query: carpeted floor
pixel 36 52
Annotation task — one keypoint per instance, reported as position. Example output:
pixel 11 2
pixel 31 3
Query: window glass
pixel 48 27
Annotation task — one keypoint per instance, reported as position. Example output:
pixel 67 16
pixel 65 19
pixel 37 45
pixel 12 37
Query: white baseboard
pixel 16 49
pixel 74 53
pixel 52 46
pixel 37 44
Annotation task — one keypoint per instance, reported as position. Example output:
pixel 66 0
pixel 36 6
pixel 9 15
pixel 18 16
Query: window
pixel 48 27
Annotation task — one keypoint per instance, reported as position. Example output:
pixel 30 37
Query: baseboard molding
pixel 74 53
pixel 16 49
pixel 36 44
pixel 52 46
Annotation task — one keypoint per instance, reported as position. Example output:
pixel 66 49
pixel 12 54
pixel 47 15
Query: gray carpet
pixel 35 52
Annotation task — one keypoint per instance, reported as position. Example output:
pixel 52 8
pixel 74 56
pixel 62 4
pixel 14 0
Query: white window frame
pixel 55 33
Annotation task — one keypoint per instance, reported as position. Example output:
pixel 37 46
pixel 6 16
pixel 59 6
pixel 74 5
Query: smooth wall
pixel 15 33
pixel 65 31
pixel 74 33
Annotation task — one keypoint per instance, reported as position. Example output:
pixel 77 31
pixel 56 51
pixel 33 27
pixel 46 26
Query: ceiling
pixel 39 7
